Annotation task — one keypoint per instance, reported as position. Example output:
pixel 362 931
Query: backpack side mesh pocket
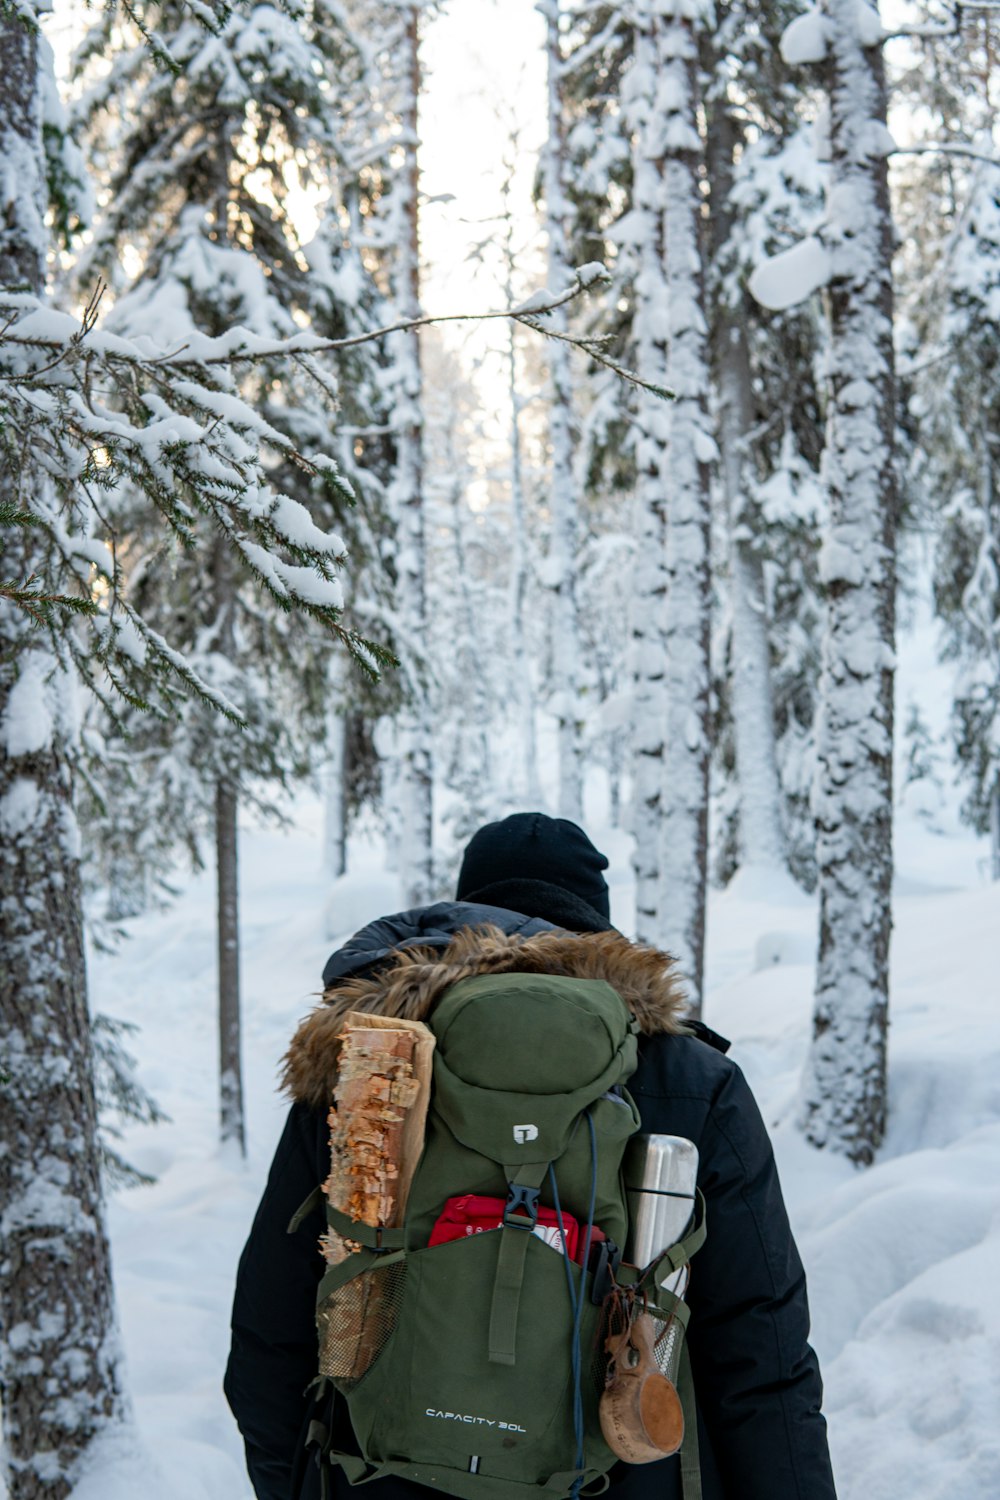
pixel 356 1321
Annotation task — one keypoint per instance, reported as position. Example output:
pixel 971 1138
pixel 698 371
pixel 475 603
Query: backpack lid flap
pixel 519 1056
pixel 530 1033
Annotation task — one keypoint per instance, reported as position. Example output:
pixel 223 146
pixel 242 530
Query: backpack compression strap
pixel 519 1220
pixel 672 1260
pixel 372 1237
pixel 678 1255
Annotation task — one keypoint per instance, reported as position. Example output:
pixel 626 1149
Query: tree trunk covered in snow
pixel 845 1084
pixel 415 784
pixel 232 1126
pixel 671 618
pixel 58 1345
pixel 561 566
pixel 477 708
pixel 522 684
pixel 761 838
pixel 335 773
pixel 23 237
pixel 650 581
pixel 231 1117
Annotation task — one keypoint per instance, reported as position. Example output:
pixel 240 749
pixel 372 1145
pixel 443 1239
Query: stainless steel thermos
pixel 660 1174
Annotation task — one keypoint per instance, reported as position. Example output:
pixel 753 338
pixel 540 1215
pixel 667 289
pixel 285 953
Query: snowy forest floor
pixel 902 1258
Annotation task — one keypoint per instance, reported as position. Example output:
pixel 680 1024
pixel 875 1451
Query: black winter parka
pixel 757 1381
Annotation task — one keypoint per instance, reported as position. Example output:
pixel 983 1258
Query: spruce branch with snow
pixel 764 188
pixel 958 402
pixel 121 1099
pixel 178 429
pixel 197 235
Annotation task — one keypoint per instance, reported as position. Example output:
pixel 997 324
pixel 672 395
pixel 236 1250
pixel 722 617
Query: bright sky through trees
pixel 485 70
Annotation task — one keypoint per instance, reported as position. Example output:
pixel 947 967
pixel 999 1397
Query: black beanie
pixel 530 848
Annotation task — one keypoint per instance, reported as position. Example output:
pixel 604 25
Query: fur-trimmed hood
pixel 413 980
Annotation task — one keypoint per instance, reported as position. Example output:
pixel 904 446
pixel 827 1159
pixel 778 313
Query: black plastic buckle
pixel 605 1260
pixel 522 1200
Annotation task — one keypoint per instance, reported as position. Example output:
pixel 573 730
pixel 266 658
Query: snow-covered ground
pixel 903 1259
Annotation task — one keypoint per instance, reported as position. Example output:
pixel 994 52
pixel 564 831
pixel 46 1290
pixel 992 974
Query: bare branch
pixel 302 346
pixel 946 148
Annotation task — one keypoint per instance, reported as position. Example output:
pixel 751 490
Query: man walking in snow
pixel 757 1383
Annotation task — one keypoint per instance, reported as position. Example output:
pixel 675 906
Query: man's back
pixel 756 1379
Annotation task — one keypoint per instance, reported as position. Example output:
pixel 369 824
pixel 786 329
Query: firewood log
pixel 376 1136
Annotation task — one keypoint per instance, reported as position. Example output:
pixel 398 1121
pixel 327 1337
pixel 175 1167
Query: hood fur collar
pixel 413 979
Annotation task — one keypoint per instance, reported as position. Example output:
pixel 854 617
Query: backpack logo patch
pixel 524 1133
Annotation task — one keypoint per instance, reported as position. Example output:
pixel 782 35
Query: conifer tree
pixel 55 1271
pixel 960 409
pixel 950 225
pixel 599 49
pixel 522 686
pixel 401 230
pixel 844 1091
pixel 764 190
pixel 383 125
pixel 198 187
pixel 83 414
pixel 465 577
pixel 674 449
pixel 746 93
pixel 564 526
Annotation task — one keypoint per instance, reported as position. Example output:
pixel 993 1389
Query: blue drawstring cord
pixel 577 1299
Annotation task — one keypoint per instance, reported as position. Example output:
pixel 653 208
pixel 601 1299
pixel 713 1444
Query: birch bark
pixel 844 1089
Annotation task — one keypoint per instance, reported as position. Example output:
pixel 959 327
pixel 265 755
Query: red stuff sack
pixel 474 1214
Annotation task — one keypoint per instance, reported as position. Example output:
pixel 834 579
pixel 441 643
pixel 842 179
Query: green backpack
pixel 485 1353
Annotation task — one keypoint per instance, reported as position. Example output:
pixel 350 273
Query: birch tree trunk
pixel 415 788
pixel 562 495
pixel 844 1091
pixel 762 840
pixel 59 1376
